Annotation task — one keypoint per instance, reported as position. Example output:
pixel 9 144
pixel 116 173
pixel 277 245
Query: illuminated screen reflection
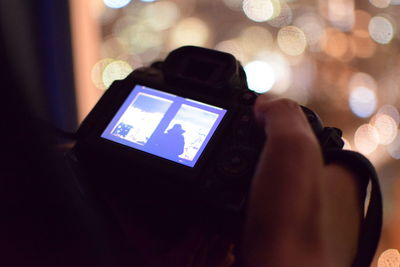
pixel 165 125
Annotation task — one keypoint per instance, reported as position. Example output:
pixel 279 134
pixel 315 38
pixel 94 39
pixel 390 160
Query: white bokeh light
pixel 390 111
pixel 380 3
pixel 116 3
pixel 386 127
pixel 366 139
pixel 313 27
pixel 260 76
pixel 116 70
pixel 381 30
pixel 284 18
pixel 282 71
pixel 362 102
pixel 261 10
pixel 292 40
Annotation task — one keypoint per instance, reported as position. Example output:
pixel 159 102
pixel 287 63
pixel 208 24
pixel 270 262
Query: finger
pixel 285 186
pixel 280 116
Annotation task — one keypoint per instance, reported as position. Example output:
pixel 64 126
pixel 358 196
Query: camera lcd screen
pixel 165 125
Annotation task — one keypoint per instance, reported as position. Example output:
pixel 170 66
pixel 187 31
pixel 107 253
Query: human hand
pixel 300 211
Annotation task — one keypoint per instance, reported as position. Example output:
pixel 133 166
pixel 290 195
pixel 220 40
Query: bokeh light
pixel 116 3
pixel 284 18
pixel 391 111
pixel 292 40
pixel 381 29
pixel 313 27
pixel 116 70
pixel 139 37
pixel 362 102
pixel 161 15
pixel 97 73
pixel 341 14
pixel 190 31
pixel 334 43
pixel 260 76
pixel 380 3
pixel 261 10
pixel 386 127
pixel 282 71
pixel 362 79
pixel 389 258
pixel 394 148
pixel 366 139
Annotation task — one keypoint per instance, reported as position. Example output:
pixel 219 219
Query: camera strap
pixel 371 225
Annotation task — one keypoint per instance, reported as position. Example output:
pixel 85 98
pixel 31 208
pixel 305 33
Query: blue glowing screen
pixel 165 125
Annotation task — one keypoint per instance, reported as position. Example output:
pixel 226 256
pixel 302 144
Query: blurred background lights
pixel 97 73
pixel 380 3
pixel 116 3
pixel 390 111
pixel 361 44
pixel 291 40
pixel 394 148
pixel 389 258
pixel 381 30
pixel 386 127
pixel 362 79
pixel 190 31
pixel 281 69
pixel 284 18
pixel 261 10
pixel 116 70
pixel 260 76
pixel 362 102
pixel 139 37
pixel 341 14
pixel 161 15
pixel 366 139
pixel 334 42
pixel 313 27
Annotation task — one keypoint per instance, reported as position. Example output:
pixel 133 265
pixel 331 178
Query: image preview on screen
pixel 165 125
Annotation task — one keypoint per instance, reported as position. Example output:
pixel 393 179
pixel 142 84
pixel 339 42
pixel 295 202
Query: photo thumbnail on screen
pixel 165 125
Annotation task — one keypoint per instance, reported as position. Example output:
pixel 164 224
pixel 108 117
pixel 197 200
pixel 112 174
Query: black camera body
pixel 185 125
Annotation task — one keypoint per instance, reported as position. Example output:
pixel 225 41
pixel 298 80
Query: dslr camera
pixel 184 126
